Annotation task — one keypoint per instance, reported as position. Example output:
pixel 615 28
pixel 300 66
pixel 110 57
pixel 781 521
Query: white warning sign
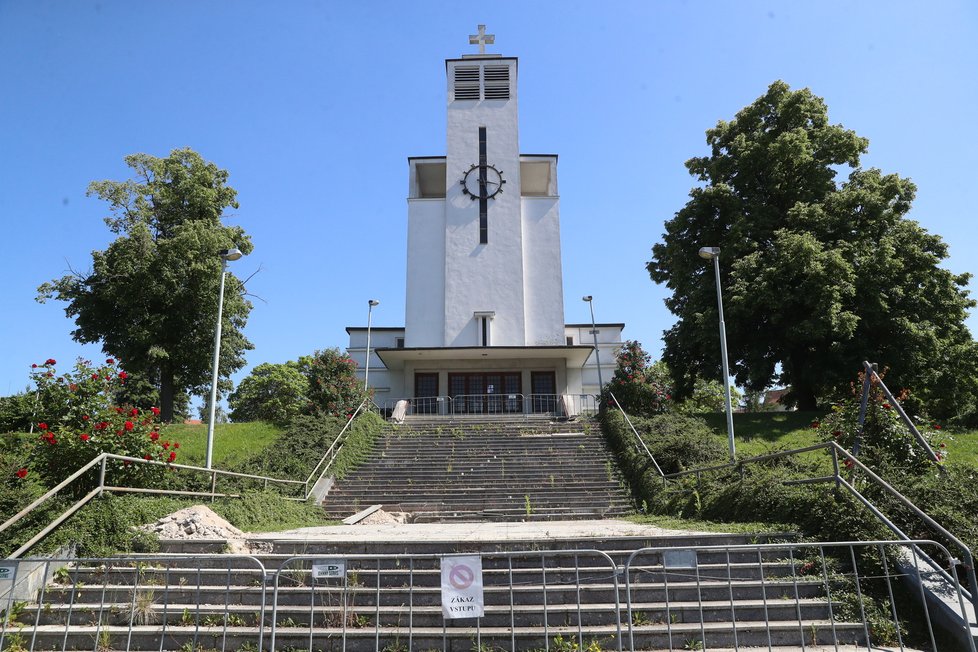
pixel 461 587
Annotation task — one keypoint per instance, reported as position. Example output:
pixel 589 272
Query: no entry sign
pixel 461 587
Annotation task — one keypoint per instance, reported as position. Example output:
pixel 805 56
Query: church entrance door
pixel 544 388
pixel 486 393
pixel 426 393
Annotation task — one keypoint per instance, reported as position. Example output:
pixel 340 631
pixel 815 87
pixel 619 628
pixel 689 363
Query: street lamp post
pixel 366 369
pixel 594 333
pixel 226 255
pixel 713 253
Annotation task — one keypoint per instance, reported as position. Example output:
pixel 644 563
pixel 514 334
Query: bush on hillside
pixel 885 439
pixel 78 420
pixel 305 442
pixel 641 388
pixel 17 412
pixel 276 393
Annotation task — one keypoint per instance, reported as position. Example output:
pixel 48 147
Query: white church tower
pixel 484 305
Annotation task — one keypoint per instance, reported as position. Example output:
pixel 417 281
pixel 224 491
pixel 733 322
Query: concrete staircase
pixel 482 469
pixel 389 599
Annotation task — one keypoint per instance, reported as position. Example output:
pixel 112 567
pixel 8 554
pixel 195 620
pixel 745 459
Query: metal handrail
pixel 836 450
pixel 871 373
pixel 101 460
pixel 308 489
pixel 635 432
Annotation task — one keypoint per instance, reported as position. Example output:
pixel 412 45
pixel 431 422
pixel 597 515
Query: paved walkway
pixel 473 532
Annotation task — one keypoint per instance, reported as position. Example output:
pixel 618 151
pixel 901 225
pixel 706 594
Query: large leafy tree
pixel 151 296
pixel 818 274
pixel 276 393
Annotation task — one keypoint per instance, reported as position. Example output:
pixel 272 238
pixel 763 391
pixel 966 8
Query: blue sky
pixel 314 107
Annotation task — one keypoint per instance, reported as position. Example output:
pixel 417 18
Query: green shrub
pixel 264 511
pixel 305 441
pixel 16 412
pixel 78 420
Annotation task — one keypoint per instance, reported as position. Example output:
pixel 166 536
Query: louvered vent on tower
pixel 467 82
pixel 496 82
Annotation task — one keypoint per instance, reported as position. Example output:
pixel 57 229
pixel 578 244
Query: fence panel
pixel 795 594
pixel 153 602
pixel 533 599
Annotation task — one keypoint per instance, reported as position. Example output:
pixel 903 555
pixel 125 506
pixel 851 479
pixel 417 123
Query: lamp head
pixel 587 298
pixel 709 253
pixel 230 254
pixel 373 302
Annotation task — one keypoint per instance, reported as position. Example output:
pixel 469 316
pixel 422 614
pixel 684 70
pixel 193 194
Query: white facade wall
pixel 385 383
pixel 543 277
pixel 609 342
pixel 424 316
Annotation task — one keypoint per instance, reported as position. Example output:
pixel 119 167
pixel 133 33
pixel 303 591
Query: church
pixel 484 328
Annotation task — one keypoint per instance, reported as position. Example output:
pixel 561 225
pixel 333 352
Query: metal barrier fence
pixel 561 405
pixel 395 602
pixel 757 596
pixel 164 602
pixel 797 594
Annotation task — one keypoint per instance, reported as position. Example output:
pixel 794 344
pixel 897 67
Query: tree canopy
pixel 322 384
pixel 151 296
pixel 817 274
pixel 276 393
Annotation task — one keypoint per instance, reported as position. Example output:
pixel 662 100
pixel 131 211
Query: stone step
pixel 457 638
pixel 427 590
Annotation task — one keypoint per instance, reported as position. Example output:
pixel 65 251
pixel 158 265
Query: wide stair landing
pixel 389 598
pixel 485 469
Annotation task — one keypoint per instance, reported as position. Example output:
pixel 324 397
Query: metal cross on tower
pixel 481 39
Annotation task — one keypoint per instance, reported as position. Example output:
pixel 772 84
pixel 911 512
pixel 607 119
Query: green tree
pixel 151 296
pixel 817 275
pixel 271 392
pixel 641 388
pixel 334 389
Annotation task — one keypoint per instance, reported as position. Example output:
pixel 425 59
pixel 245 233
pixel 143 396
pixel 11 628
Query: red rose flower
pixel 118 410
pixel 166 445
pixel 85 437
pixel 85 417
pixel 134 412
pixel 154 435
pixel 943 445
pixel 937 426
pixel 815 424
pixel 101 425
pixel 110 361
pixel 129 425
pixel 123 375
pixel 147 457
pixel 51 361
pixel 176 444
pixel 94 376
pixel 34 366
pixel 155 411
pixel 173 455
pixel 21 473
pixel 886 406
pixel 120 432
pixel 849 463
pixel 42 426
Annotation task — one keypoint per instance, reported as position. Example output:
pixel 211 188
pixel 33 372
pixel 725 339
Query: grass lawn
pixel 757 433
pixel 232 441
pixel 962 448
pixel 763 432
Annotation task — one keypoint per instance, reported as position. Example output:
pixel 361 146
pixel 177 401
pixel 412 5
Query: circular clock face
pixel 477 186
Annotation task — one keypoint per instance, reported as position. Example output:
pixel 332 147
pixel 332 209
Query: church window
pixel 467 82
pixel 570 340
pixel 484 322
pixel 496 84
pixel 398 342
